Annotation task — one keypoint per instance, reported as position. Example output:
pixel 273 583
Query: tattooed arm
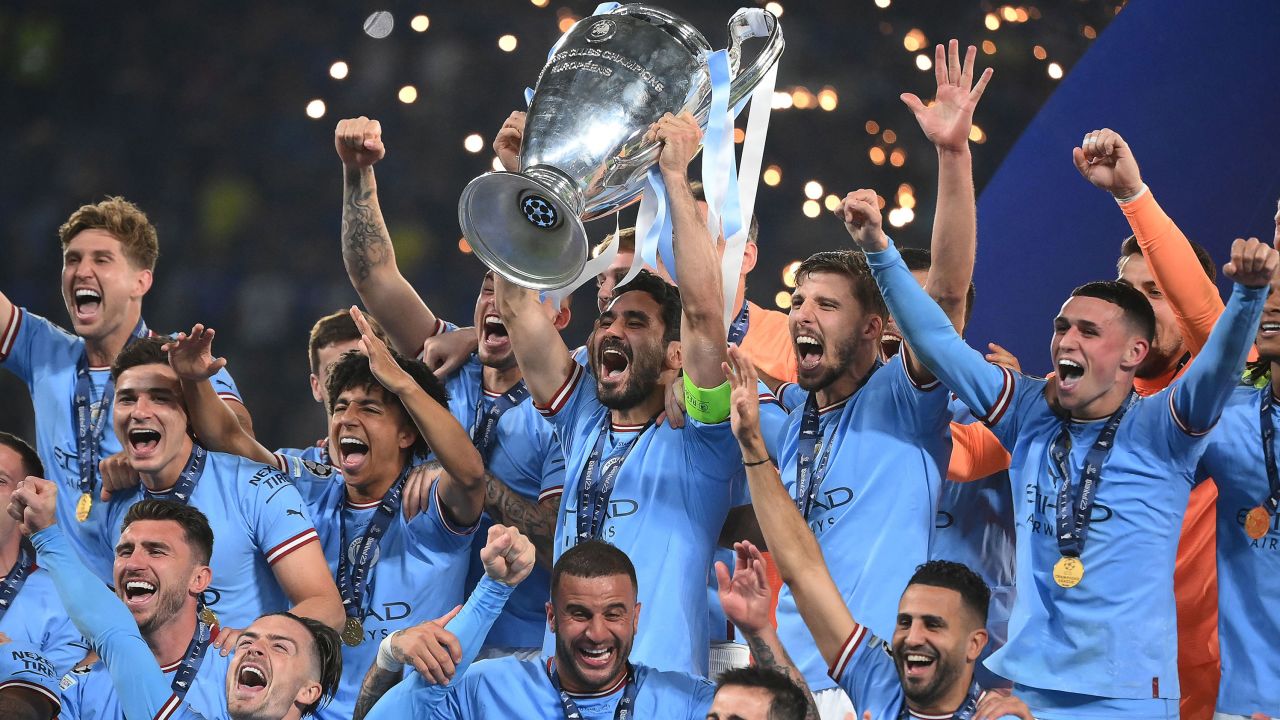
pixel 367 251
pixel 376 683
pixel 746 600
pixel 537 520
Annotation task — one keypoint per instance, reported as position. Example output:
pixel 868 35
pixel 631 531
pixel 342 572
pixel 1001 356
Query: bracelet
pixel 754 463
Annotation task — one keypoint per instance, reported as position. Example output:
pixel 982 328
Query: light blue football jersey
pixel 24 667
pixel 38 618
pixel 88 693
pixel 45 357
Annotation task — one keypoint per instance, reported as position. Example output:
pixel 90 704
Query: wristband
pixel 386 658
pixel 710 406
pixel 1131 198
pixel 754 463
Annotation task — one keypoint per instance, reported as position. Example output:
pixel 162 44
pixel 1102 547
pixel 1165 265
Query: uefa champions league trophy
pixel 583 155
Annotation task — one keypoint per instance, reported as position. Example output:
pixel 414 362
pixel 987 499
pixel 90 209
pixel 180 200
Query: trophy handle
pixel 752 23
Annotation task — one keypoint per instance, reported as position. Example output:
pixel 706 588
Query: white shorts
pixel 833 704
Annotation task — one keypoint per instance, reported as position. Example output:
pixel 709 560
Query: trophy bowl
pixel 583 155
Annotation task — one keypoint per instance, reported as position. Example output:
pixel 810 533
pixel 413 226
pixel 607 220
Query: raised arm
pixel 367 252
pixel 947 122
pixel 1202 392
pixel 191 357
pixel 702 329
pixel 462 484
pixel 1107 161
pixel 97 613
pixel 791 544
pixel 924 325
pixel 544 359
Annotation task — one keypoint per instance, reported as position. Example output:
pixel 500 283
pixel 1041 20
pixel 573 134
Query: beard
pixel 842 360
pixel 168 606
pixel 946 672
pixel 644 370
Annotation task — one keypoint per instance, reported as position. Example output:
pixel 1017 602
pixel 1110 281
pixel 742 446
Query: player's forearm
pixel 323 607
pixel 446 438
pixel 1202 392
pixel 702 330
pixel 536 520
pixel 543 357
pixel 767 652
pixel 217 426
pixel 377 682
pixel 932 337
pixel 791 544
pixel 955 234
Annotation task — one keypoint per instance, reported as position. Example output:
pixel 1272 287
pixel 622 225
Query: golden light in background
pixel 988 47
pixel 901 216
pixel 812 209
pixel 464 246
pixel 507 43
pixel 473 143
pixel 773 7
pixel 914 40
pixel 924 62
pixel 813 189
pixel 789 274
pixel 877 155
pixel 802 99
pixel 873 127
pixel 1055 71
pixel 897 157
pixel 315 109
pixel 992 22
pixel 976 134
pixel 496 165
pixel 781 100
pixel 782 300
pixel 890 136
pixel 540 3
pixel 906 196
pixel 1008 13
pixel 420 23
pixel 1089 32
pixel 339 70
pixel 827 99
pixel 772 175
pixel 882 4
pixel 566 22
pixel 739 135
pixel 880 202
pixel 408 94
pixel 1021 14
pixel 1039 52
pixel 831 202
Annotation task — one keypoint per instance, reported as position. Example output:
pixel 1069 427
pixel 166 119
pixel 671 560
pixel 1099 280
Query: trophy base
pixel 523 229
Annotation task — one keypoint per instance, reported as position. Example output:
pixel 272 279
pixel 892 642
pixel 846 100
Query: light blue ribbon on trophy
pixel 719 169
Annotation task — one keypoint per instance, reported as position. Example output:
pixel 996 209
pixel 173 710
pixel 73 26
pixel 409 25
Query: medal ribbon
pixel 597 486
pixel 187 479
pixel 1269 455
pixel 353 582
pixel 738 328
pixel 17 576
pixel 484 432
pixel 193 657
pixel 1073 521
pixel 625 708
pixel 808 476
pixel 89 428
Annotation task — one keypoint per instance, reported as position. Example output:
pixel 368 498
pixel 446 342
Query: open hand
pixel 191 356
pixel 948 119
pixel 386 370
pixel 746 597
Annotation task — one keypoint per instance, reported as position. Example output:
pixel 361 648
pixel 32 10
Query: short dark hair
pixel 352 370
pixel 328 658
pixel 700 194
pixel 786 700
pixel 664 293
pixel 145 351
pixel 194 524
pixel 1130 246
pixel 918 259
pixel 31 464
pixel 337 327
pixel 853 265
pixel 956 576
pixel 1135 306
pixel 592 559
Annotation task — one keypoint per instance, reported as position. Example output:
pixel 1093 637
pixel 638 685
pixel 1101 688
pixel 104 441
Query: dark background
pixel 197 113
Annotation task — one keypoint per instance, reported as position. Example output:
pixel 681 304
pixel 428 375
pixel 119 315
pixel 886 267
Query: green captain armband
pixel 707 406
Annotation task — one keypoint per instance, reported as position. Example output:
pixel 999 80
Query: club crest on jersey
pixel 319 470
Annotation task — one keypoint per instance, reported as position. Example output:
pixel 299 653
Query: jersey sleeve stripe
pixel 36 688
pixel 454 529
pixel 439 328
pixel 10 332
pixel 230 396
pixel 282 463
pixel 551 492
pixel 1173 410
pixel 562 395
pixel 278 552
pixel 1003 400
pixel 169 708
pixel 846 652
pixel 770 398
pixel 906 368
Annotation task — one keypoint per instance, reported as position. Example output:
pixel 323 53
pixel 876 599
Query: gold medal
pixel 1068 571
pixel 207 616
pixel 353 632
pixel 83 507
pixel 1257 523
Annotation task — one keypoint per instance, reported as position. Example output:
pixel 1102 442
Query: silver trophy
pixel 583 155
